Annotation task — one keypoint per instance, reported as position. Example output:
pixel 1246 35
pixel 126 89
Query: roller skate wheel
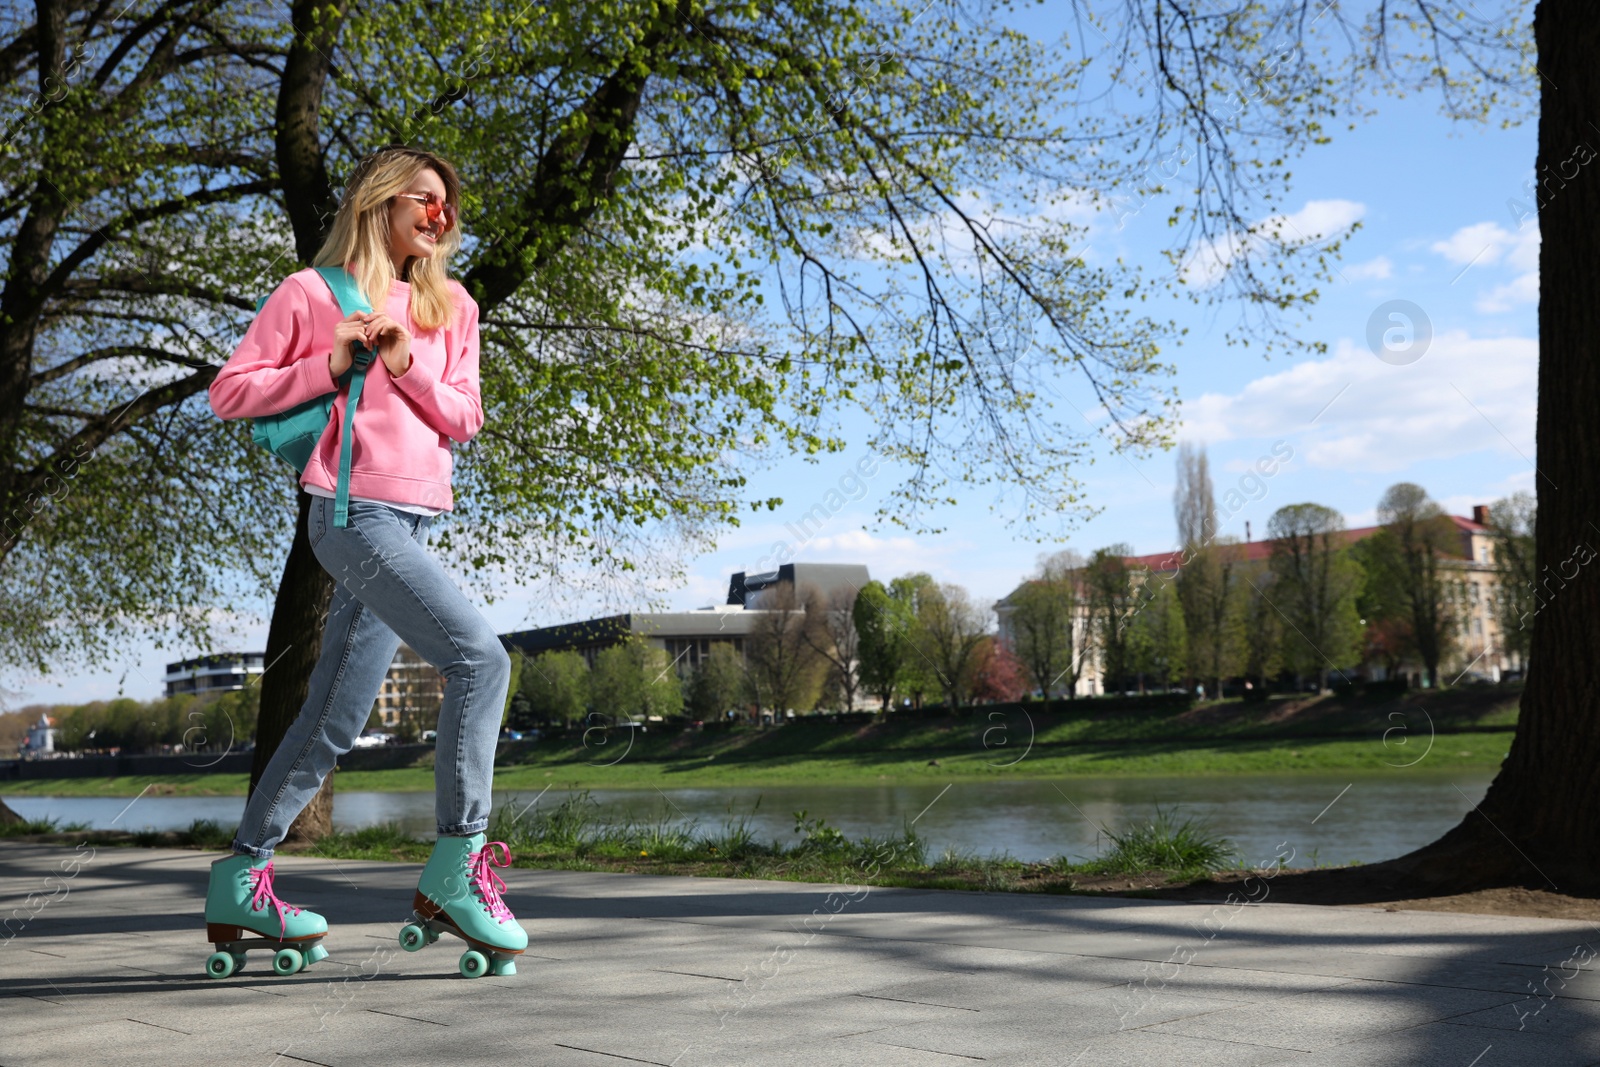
pixel 286 961
pixel 238 962
pixel 473 964
pixel 413 937
pixel 220 964
pixel 500 968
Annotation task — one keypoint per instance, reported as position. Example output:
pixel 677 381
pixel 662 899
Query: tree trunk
pixel 7 816
pixel 1539 825
pixel 293 643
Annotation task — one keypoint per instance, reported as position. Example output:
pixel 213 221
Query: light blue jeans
pixel 389 589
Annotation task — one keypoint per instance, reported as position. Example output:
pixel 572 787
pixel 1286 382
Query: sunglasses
pixel 435 207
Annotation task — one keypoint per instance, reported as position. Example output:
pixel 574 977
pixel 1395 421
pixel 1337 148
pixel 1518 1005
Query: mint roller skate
pixel 459 894
pixel 240 902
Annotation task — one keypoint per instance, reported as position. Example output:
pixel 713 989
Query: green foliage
pixel 1316 582
pixel 1044 612
pixel 1158 644
pixel 36 826
pixel 1259 627
pixel 1512 520
pixel 817 835
pixel 1404 594
pixel 556 687
pixel 946 638
pixel 1163 844
pixel 207 834
pixel 918 677
pixel 1210 586
pixel 883 623
pixel 717 685
pixel 633 173
pixel 632 680
pixel 1112 599
pixel 213 722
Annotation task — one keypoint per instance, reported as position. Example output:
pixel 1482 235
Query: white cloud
pixel 1488 243
pixel 1353 412
pixel 1206 264
pixel 1523 289
pixel 1481 243
pixel 1371 270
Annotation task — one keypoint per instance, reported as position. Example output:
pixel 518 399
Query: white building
pixel 41 739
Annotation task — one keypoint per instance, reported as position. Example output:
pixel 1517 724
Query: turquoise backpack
pixel 293 435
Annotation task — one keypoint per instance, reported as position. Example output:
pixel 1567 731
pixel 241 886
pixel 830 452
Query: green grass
pixel 39 826
pixel 1455 730
pixel 575 835
pixel 1162 843
pixel 1459 752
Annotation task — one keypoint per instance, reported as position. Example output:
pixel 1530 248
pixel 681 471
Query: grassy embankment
pixel 572 835
pixel 1454 729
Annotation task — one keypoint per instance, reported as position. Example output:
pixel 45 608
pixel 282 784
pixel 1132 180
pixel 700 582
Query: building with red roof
pixel 1472 583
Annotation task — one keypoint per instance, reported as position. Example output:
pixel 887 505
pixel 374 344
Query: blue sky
pixel 1437 233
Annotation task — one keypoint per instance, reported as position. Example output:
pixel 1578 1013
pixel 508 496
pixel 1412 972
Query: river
pixel 1324 818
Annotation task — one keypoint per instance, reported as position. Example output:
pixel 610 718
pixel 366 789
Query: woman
pixel 394 231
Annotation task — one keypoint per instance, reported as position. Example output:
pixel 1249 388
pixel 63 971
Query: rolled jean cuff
pixel 464 829
pixel 250 850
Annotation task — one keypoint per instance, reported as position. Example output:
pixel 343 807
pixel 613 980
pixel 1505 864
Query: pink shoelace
pixel 261 882
pixel 486 882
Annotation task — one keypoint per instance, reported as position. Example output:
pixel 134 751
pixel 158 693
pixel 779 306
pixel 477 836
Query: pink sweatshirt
pixel 403 427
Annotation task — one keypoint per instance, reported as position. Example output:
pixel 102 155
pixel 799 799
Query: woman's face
pixel 410 232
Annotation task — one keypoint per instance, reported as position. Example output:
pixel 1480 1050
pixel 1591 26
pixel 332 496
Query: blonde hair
pixel 359 237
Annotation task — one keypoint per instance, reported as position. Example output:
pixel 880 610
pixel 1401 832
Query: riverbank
pixel 1468 729
pixel 1463 752
pixel 1166 857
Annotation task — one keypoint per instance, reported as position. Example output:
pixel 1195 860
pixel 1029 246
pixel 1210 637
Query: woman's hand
pixel 392 342
pixel 345 333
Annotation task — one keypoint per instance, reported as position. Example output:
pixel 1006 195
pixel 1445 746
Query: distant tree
pixel 1388 641
pixel 1207 587
pixel 1157 642
pixel 883 626
pixel 832 634
pixel 557 687
pixel 520 714
pixel 1258 625
pixel 918 675
pixel 14 726
pixel 1511 522
pixel 1111 601
pixel 220 722
pixel 997 674
pixel 784 670
pixel 950 626
pixel 616 684
pixel 1194 503
pixel 1043 622
pixel 1402 577
pixel 717 685
pixel 1316 581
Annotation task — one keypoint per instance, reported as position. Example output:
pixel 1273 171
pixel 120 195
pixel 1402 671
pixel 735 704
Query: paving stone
pixel 712 972
pixel 1308 1022
pixel 1448 1045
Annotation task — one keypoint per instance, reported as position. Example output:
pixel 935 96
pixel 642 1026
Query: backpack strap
pixel 351 299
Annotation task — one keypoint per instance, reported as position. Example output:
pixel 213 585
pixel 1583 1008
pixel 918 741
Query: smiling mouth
pixel 429 234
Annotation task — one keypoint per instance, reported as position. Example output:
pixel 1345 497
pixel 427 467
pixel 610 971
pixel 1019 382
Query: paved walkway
pixel 104 966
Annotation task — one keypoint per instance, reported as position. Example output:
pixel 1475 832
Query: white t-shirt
pixel 415 509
